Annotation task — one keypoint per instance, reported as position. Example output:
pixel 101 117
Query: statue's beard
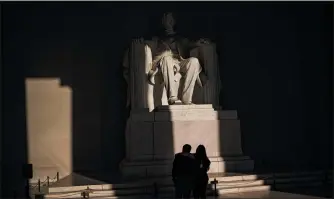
pixel 169 31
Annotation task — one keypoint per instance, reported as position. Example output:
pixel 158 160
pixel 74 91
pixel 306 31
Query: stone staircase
pixel 161 187
pixel 316 183
pixel 227 183
pixel 297 179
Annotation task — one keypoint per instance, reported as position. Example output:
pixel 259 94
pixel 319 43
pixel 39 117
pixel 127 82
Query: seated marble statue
pixel 171 61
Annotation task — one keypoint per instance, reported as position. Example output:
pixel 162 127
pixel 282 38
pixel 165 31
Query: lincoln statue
pixel 173 63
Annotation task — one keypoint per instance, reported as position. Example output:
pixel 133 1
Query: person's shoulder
pixel 177 154
pixel 190 156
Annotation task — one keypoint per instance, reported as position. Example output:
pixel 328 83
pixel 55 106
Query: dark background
pixel 275 65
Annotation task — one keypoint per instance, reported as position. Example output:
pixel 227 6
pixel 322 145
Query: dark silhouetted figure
pixel 184 168
pixel 202 178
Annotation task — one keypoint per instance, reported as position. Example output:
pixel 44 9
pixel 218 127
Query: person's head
pixel 186 148
pixel 201 151
pixel 168 21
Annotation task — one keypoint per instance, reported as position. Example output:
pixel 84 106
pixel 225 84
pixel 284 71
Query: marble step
pixel 142 184
pixel 225 185
pixel 298 179
pixel 292 174
pixel 221 191
pixel 233 178
pixel 105 187
pixel 300 184
pixel 293 177
pixel 242 183
pixel 144 187
pixel 305 179
pixel 166 192
pixel 116 197
pixel 243 189
pixel 102 193
pixel 220 179
pixel 111 197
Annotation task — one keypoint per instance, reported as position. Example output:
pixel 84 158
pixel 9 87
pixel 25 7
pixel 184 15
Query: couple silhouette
pixel 190 172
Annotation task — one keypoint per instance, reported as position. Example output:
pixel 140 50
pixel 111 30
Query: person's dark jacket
pixel 184 165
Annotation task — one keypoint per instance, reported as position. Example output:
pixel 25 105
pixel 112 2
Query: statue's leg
pixel 190 69
pixel 167 70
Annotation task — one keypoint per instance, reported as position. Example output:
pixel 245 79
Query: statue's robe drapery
pixel 138 62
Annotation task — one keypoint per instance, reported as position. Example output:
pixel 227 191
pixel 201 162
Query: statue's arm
pixel 191 44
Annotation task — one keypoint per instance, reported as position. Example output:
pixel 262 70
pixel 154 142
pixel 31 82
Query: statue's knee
pixel 167 59
pixel 193 61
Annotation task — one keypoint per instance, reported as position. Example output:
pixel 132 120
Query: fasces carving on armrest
pixel 148 58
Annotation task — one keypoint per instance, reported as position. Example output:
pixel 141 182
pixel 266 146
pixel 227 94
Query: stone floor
pixel 301 193
pixel 325 191
pixel 251 195
pixel 269 195
pixel 264 195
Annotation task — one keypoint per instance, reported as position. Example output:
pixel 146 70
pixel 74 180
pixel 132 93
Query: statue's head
pixel 168 21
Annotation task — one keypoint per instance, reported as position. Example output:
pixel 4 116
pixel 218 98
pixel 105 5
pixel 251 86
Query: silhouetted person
pixel 184 168
pixel 203 166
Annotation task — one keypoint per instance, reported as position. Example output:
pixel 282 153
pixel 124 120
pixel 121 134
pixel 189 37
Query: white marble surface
pixel 185 107
pixel 155 136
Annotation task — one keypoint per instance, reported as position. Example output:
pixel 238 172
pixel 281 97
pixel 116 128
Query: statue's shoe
pixel 187 103
pixel 178 102
pixel 172 100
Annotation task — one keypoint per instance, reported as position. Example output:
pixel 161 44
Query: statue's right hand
pixel 138 40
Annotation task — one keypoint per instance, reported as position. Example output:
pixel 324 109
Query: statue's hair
pixel 166 14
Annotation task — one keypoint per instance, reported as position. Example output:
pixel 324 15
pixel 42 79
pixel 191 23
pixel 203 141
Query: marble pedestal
pixel 152 139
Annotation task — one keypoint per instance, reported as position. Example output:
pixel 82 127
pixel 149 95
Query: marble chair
pixel 142 95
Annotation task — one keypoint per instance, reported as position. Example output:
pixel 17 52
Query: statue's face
pixel 168 21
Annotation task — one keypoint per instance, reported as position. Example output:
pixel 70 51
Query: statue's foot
pixel 172 100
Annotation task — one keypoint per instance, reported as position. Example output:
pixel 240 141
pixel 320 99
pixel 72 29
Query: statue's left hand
pixel 202 41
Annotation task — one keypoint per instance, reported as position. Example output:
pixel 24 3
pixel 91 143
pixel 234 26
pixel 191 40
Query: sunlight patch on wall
pixel 49 127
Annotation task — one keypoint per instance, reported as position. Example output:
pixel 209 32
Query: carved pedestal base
pixel 152 139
